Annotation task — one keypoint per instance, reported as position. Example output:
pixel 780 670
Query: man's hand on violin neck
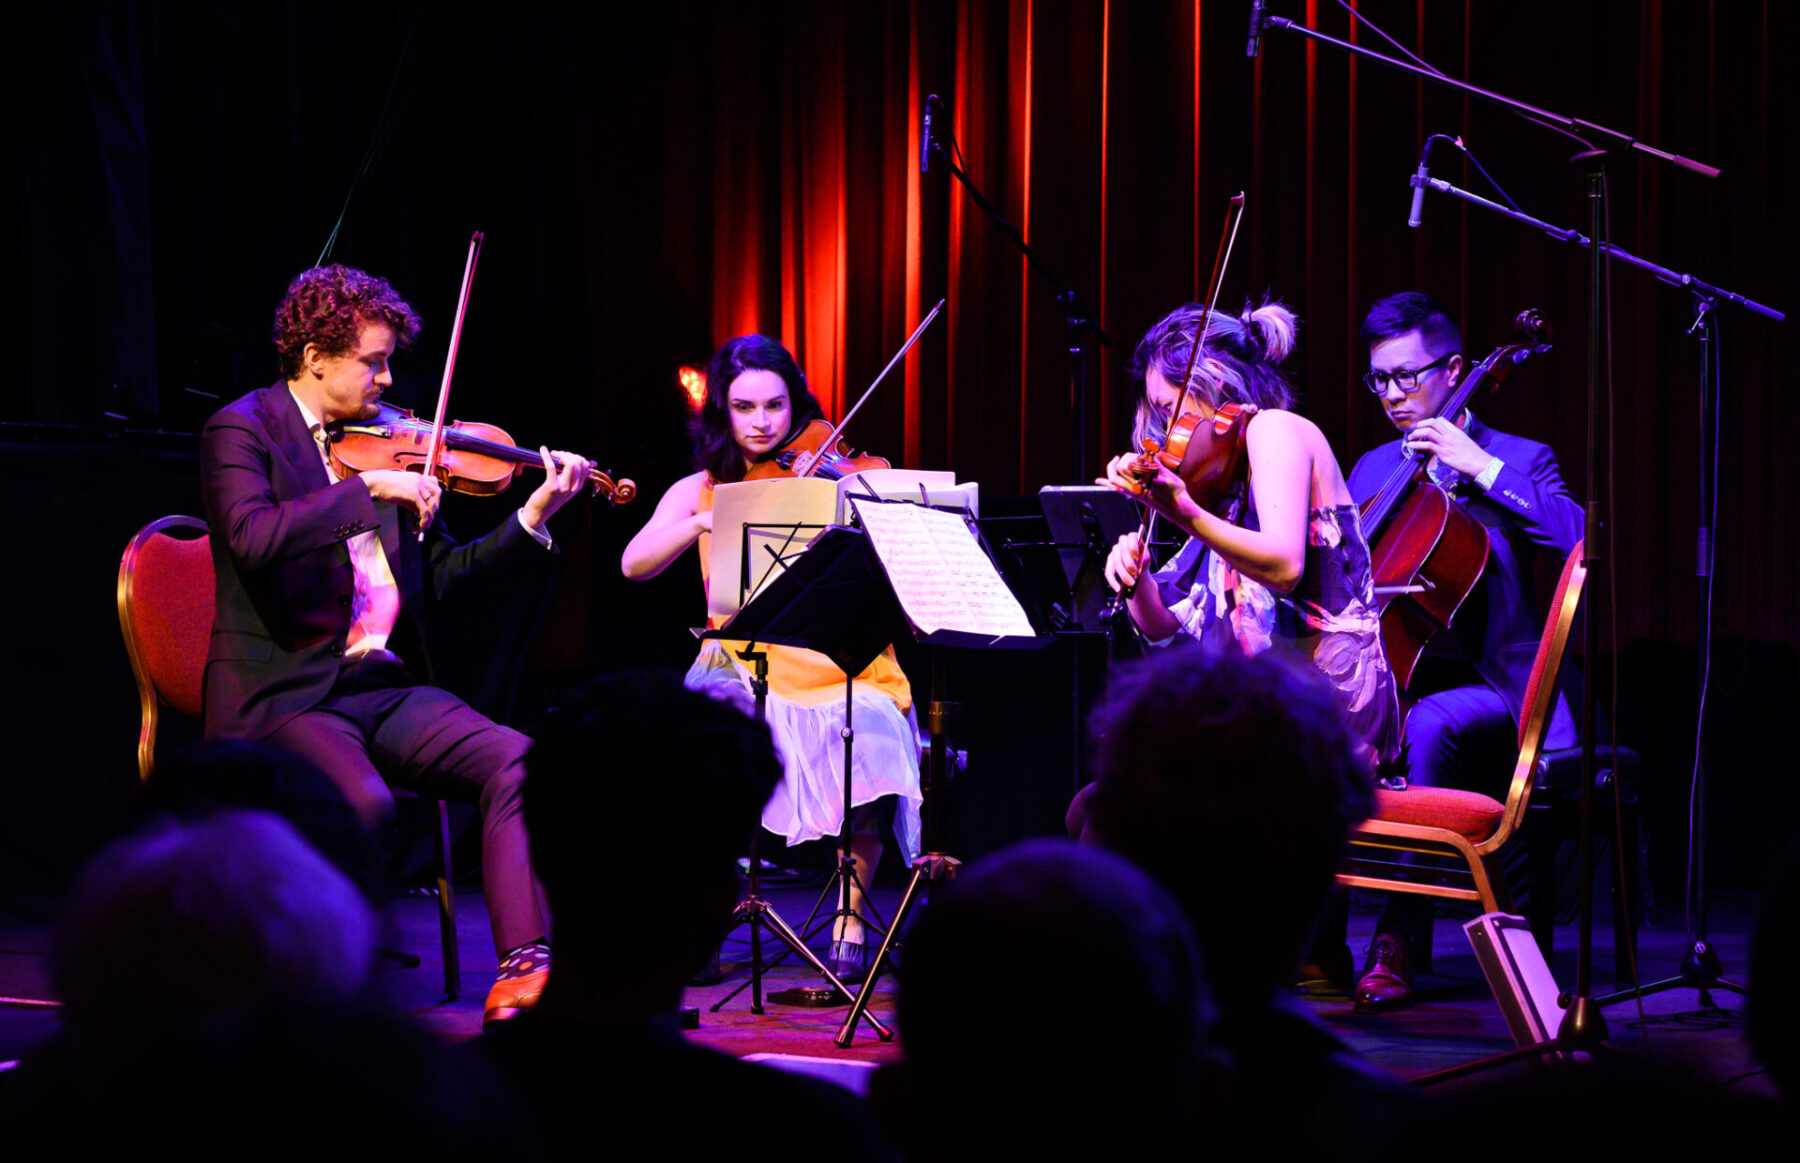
pixel 412 491
pixel 559 485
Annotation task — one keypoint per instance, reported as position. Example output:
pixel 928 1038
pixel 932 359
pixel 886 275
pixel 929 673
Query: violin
pixel 1427 553
pixel 478 459
pixel 833 460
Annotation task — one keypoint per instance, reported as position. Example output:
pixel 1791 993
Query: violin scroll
pixel 617 492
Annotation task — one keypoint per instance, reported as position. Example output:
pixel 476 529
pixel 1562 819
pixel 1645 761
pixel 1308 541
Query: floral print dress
pixel 1331 616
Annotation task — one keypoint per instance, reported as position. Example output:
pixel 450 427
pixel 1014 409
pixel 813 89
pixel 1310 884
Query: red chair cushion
pixel 172 608
pixel 1469 814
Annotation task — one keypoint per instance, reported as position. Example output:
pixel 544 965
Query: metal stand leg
pixel 933 864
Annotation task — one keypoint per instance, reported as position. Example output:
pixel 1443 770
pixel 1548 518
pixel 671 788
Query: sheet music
pixel 761 505
pixel 904 484
pixel 938 570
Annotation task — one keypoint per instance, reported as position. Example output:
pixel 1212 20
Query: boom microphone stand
pixel 1583 1027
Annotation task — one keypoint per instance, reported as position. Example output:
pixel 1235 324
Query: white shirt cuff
pixel 1487 476
pixel 541 536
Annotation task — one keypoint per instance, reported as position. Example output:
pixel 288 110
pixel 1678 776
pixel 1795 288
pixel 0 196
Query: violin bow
pixel 1234 216
pixel 443 403
pixel 832 439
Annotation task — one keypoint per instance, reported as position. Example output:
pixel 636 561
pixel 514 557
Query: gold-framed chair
pixel 165 599
pixel 1467 827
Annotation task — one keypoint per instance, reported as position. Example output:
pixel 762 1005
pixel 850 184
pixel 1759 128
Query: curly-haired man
pixel 324 591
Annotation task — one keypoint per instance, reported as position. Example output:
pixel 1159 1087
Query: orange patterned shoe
pixel 519 983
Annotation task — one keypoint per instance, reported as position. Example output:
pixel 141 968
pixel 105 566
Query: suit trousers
pixel 377 728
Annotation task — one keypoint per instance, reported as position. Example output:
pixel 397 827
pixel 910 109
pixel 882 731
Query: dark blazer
pixel 1529 509
pixel 282 571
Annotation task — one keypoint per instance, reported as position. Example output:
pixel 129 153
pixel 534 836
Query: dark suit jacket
pixel 282 570
pixel 1528 509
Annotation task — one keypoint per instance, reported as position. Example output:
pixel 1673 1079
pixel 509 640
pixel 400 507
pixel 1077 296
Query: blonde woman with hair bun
pixel 1282 560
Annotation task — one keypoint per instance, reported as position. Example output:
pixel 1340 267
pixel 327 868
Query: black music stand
pixel 825 602
pixel 1086 521
pixel 933 862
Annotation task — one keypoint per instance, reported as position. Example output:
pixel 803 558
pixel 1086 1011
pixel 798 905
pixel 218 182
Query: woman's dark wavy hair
pixel 329 306
pixel 714 449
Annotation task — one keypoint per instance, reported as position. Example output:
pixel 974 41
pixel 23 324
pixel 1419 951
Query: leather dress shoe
pixel 847 960
pixel 512 996
pixel 1387 977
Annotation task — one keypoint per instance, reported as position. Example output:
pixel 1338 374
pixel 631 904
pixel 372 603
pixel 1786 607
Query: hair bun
pixel 1273 331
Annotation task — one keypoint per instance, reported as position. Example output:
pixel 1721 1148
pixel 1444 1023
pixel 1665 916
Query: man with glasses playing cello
pixel 1469 684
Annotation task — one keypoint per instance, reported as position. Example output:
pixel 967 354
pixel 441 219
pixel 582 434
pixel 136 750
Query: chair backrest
pixel 1540 689
pixel 166 615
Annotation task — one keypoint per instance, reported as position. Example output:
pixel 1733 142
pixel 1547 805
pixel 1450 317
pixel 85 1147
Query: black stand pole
pixel 1700 968
pixel 1076 317
pixel 933 862
pixel 842 880
pixel 1582 1025
pixel 753 910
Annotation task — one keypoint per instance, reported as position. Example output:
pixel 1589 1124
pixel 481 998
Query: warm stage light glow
pixel 693 383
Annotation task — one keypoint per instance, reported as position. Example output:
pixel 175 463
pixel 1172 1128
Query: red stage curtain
pixel 1112 134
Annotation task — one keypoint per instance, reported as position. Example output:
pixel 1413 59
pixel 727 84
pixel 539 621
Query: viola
pixel 1426 552
pixel 1206 452
pixel 833 460
pixel 477 459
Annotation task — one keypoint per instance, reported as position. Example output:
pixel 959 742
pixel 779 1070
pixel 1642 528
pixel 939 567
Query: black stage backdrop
pixel 652 183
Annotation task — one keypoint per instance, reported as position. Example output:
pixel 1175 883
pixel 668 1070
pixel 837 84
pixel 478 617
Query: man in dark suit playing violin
pixel 324 590
pixel 1470 682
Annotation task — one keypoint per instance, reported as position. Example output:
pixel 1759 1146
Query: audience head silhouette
pixel 1001 1072
pixel 1234 781
pixel 227 914
pixel 685 778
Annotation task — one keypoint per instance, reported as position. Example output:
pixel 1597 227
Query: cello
pixel 1427 553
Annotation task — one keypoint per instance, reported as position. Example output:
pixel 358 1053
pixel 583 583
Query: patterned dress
pixel 1331 616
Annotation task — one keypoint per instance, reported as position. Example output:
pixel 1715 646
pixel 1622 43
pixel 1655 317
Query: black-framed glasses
pixel 1406 379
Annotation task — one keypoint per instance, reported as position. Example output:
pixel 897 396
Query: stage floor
pixel 1455 1018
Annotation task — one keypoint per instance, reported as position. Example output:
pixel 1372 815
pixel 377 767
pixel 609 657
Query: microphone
pixel 1256 28
pixel 925 138
pixel 1418 184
